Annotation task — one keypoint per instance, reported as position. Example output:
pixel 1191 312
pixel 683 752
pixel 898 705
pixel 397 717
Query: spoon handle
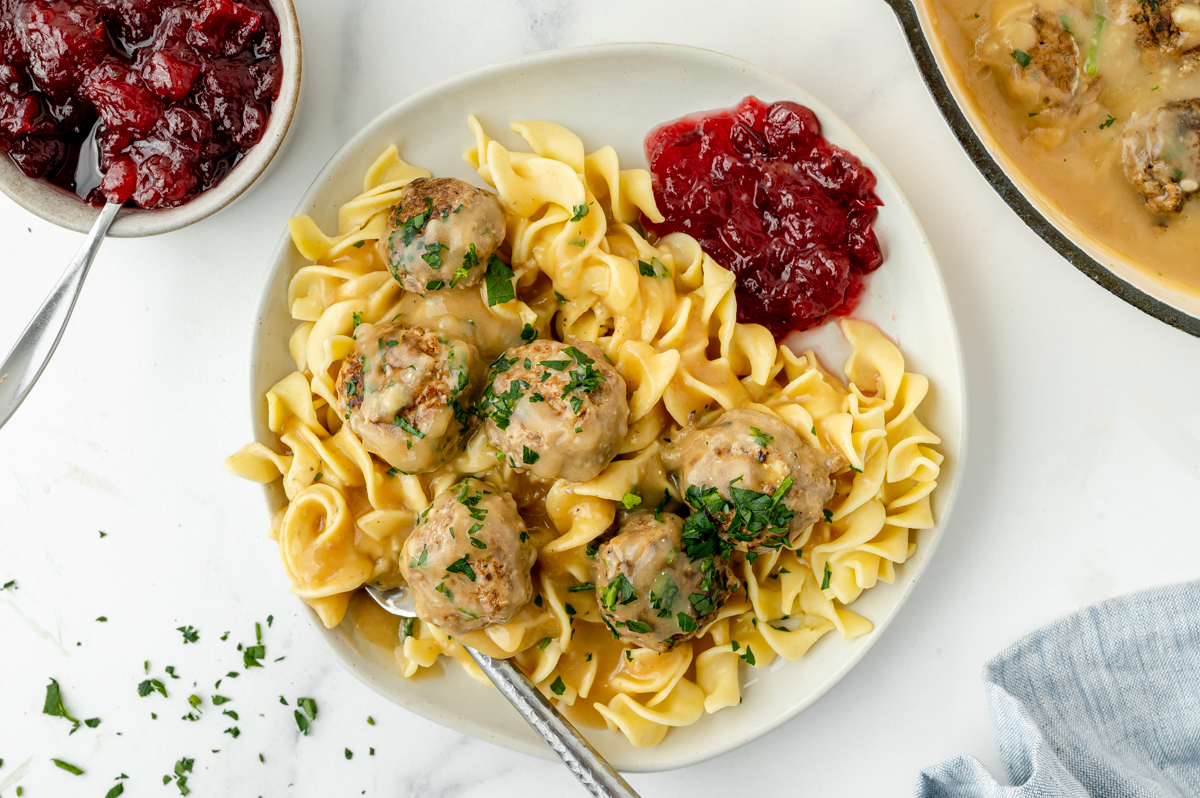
pixel 24 364
pixel 600 778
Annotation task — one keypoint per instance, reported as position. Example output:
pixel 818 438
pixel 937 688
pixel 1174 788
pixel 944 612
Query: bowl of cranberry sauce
pixel 171 108
pixel 770 199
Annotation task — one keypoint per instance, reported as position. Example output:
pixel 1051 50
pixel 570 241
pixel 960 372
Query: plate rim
pixel 857 146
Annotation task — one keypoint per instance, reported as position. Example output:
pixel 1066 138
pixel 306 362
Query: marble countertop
pixel 1081 485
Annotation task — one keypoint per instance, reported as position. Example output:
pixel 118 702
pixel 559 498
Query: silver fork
pixel 600 778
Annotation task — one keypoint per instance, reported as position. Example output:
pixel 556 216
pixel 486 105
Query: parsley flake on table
pixel 349 754
pixel 55 707
pixel 116 791
pixel 67 767
pixel 190 635
pixel 252 655
pixel 11 583
pixel 149 686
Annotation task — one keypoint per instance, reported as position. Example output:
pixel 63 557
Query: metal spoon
pixel 599 777
pixel 29 356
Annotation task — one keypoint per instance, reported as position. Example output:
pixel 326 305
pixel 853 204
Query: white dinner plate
pixel 614 94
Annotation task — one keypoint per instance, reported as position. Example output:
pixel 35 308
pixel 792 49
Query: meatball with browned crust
pixel 650 590
pixel 468 559
pixel 1160 154
pixel 1031 44
pixel 406 392
pixel 558 410
pixel 1171 27
pixel 442 234
pixel 758 481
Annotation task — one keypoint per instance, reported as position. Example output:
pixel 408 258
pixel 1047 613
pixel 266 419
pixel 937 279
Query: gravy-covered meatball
pixel 467 560
pixel 1030 44
pixel 558 410
pixel 442 234
pixel 405 393
pixel 1171 27
pixel 1161 156
pixel 753 475
pixel 650 591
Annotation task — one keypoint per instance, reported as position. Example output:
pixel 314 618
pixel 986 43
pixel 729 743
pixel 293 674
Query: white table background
pixel 1082 478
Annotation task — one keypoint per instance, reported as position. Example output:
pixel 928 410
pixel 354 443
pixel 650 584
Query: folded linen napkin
pixel 1104 703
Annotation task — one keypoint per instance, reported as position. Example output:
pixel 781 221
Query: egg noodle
pixel 669 327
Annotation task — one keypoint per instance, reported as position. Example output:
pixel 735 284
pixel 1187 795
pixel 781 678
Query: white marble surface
pixel 1082 480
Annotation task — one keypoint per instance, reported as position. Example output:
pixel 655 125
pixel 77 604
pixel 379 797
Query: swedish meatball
pixel 558 410
pixel 468 559
pixel 1171 27
pixel 442 233
pixel 1160 154
pixel 405 392
pixel 650 591
pixel 1030 44
pixel 729 468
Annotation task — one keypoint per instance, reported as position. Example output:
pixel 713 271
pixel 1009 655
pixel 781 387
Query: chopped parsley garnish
pixel 1021 57
pixel 546 641
pixel 417 562
pixel 581 588
pixel 559 298
pixel 579 211
pixel 638 627
pixel 462 566
pixel 407 426
pixel 498 279
pixel 468 613
pixel 304 719
pixel 477 543
pixel 654 268
pixel 251 656
pixel 182 767
pixel 356 316
pixel 1108 122
pixel 499 407
pixel 618 591
pixel 406 628
pixel 435 285
pixel 749 656
pixel 557 686
pixel 218 700
pixel 349 754
pixel 359 244
pixel 760 437
pixel 828 515
pixel 149 686
pixel 234 732
pixel 116 791
pixel 529 456
pixel 67 767
pixel 746 516
pixel 557 365
pixel 631 500
pixel 190 635
pixel 825 578
pixel 55 707
pixel 687 623
pixel 528 333
pixel 578 242
pixel 702 603
pixel 433 254
pixel 591 549
pixel 415 224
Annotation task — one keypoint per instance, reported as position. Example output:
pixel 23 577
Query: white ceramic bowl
pixel 614 94
pixel 66 210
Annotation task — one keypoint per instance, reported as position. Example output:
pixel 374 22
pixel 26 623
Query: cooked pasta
pixel 663 314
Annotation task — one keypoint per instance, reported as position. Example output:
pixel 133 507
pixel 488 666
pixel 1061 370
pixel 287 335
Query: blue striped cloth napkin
pixel 1104 703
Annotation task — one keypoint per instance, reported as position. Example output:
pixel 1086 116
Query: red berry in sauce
pixel 170 93
pixel 774 202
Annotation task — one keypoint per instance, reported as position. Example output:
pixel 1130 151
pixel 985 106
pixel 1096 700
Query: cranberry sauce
pixel 147 102
pixel 774 202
